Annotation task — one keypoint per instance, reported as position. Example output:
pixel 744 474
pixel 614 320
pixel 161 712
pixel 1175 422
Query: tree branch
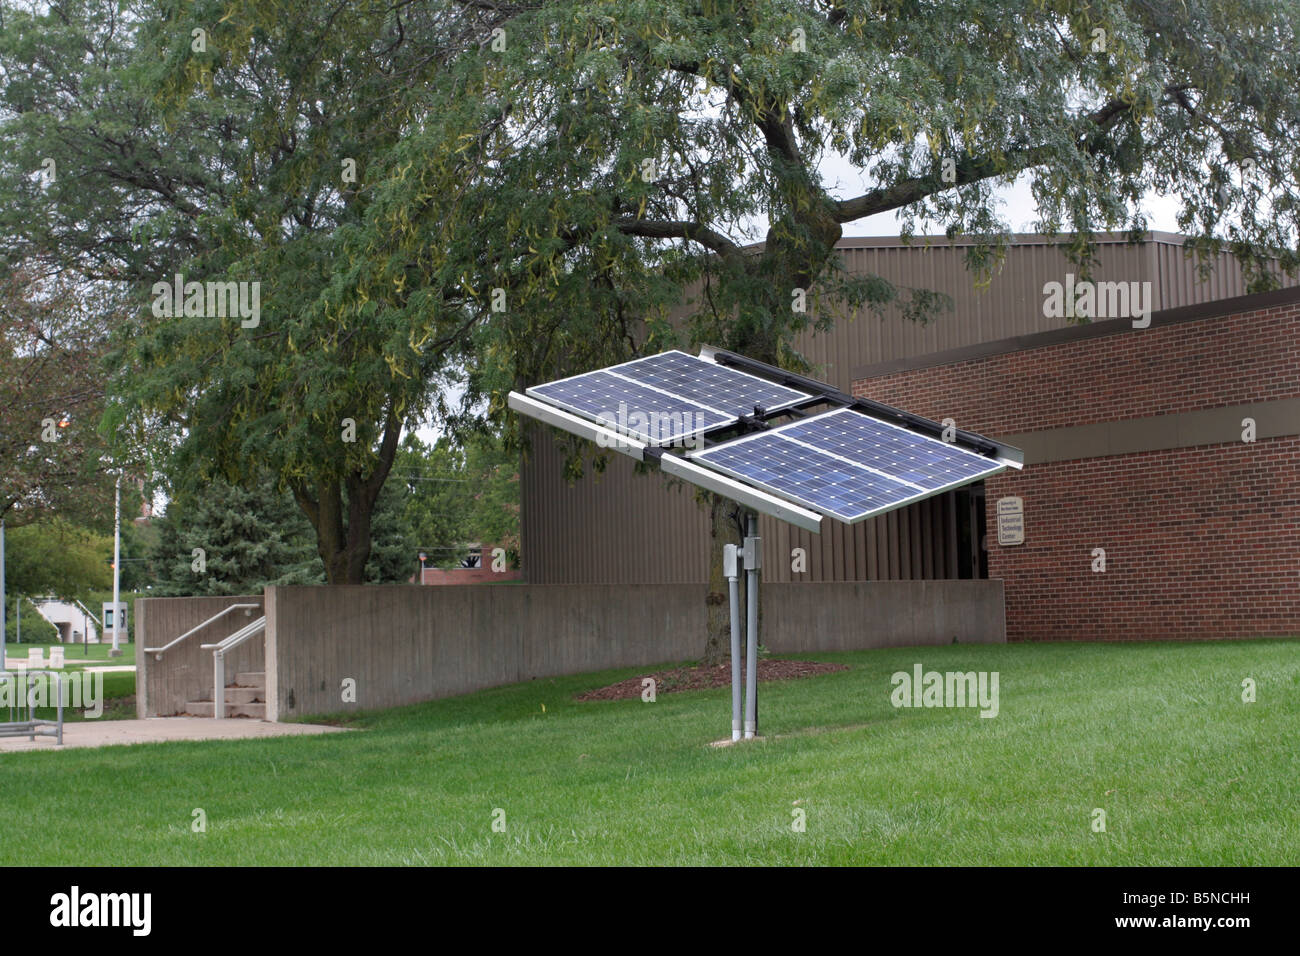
pixel 680 229
pixel 972 169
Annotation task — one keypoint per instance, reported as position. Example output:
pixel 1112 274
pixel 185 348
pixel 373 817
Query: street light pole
pixel 2 595
pixel 117 565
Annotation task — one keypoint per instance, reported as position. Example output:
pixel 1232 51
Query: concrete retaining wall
pixel 855 615
pixel 404 644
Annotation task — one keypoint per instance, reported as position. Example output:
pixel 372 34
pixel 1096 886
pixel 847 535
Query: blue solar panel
pixel 645 414
pixel 917 459
pixel 666 399
pixel 847 465
pixel 715 386
pixel 821 481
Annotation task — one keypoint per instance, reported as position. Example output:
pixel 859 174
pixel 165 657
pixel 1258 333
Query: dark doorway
pixel 972 548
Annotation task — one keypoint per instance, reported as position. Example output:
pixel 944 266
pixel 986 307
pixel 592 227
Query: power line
pixel 423 478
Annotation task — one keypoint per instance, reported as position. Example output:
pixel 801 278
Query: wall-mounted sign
pixel 1011 520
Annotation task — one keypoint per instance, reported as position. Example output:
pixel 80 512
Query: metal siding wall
pixel 615 527
pixel 1181 284
pixel 1011 305
pixel 626 528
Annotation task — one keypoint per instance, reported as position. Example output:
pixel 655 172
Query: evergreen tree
pixel 223 539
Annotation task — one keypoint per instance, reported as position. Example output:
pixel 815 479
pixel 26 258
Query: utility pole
pixel 2 595
pixel 117 566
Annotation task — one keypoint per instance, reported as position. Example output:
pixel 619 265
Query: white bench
pixel 35 657
pixel 56 658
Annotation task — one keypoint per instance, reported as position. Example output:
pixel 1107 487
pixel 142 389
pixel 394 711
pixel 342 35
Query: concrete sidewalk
pixel 14 664
pixel 104 733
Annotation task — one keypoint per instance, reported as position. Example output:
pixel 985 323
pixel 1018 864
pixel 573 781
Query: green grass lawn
pixel 1156 735
pixel 76 654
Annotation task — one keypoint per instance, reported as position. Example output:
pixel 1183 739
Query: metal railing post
pixel 219 684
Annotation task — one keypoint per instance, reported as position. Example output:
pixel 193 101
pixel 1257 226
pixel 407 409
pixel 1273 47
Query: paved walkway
pixel 104 733
pixel 20 663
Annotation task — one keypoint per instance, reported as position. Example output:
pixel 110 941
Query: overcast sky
pixel 1017 208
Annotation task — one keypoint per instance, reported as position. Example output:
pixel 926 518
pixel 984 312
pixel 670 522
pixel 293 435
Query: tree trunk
pixel 344 548
pixel 722 531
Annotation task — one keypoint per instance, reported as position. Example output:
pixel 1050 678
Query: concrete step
pixel 251 679
pixel 203 708
pixel 244 695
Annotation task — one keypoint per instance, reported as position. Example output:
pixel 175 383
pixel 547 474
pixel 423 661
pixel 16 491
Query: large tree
pixel 232 145
pixel 608 153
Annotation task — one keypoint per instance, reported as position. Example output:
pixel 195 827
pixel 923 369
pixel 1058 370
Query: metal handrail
pixel 219 650
pixel 237 638
pixel 90 617
pixel 159 651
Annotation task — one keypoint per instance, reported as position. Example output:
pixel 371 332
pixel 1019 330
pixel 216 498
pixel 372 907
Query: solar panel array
pixel 847 465
pixel 842 463
pixel 668 398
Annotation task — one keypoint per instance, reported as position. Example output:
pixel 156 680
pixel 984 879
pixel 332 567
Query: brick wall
pixel 469 576
pixel 1231 360
pixel 1200 542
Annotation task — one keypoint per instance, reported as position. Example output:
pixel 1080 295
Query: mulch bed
pixel 706 678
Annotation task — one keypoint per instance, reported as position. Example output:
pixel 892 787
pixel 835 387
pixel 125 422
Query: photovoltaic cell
pixel 647 415
pixel 919 460
pixel 666 399
pixel 847 465
pixel 822 482
pixel 707 383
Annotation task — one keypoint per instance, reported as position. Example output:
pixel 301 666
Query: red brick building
pixel 489 566
pixel 1167 455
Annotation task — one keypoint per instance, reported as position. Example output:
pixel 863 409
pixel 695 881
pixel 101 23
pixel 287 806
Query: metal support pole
pixel 2 595
pixel 729 570
pixel 117 566
pixel 752 564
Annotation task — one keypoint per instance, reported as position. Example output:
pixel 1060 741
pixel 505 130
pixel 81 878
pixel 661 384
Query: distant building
pixel 484 565
pixel 72 621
